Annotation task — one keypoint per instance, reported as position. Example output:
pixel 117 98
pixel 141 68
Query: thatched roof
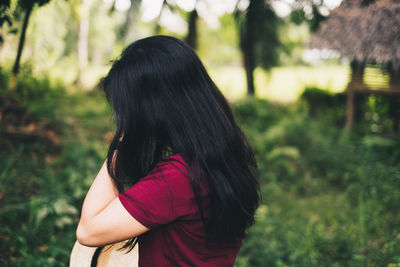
pixel 363 30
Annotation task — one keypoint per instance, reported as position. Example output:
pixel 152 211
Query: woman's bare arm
pixel 104 220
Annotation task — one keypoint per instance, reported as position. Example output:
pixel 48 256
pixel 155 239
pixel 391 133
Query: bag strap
pixel 96 256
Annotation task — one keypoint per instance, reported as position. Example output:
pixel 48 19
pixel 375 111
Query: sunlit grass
pixel 285 84
pixel 281 84
pixel 231 80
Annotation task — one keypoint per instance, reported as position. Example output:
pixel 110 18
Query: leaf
pixel 42 214
pixel 377 141
pixel 62 207
pixel 13 31
pixel 286 151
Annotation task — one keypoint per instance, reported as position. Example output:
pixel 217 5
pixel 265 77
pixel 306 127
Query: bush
pixel 37 97
pixel 4 80
pixel 42 188
pixel 322 103
pixel 377 114
pixel 329 199
pixel 41 98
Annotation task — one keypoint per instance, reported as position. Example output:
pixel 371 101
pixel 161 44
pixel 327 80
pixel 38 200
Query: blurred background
pixel 315 84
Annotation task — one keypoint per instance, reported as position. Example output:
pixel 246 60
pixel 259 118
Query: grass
pixel 285 84
pixel 282 84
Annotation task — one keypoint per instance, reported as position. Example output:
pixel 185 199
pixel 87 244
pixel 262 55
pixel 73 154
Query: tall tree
pixel 27 6
pixel 132 15
pixel 191 37
pixel 81 13
pixel 258 37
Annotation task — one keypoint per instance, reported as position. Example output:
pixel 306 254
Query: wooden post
pixel 394 109
pixel 394 83
pixel 349 109
pixel 356 82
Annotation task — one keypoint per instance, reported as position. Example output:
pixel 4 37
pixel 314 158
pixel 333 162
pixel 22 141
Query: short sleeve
pixel 161 197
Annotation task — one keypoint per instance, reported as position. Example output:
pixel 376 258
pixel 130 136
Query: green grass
pixel 281 84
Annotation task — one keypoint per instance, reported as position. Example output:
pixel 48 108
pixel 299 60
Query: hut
pixel 366 32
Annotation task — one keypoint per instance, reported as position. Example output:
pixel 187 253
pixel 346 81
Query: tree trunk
pixel 248 61
pixel 349 110
pixel 356 82
pixel 157 27
pixel 357 75
pixel 394 113
pixel 247 48
pixel 394 83
pixel 82 43
pixel 394 109
pixel 132 13
pixel 191 38
pixel 21 43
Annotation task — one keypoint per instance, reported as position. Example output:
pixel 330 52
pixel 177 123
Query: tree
pixel 131 15
pixel 27 6
pixel 5 16
pixel 191 37
pixel 81 14
pixel 313 17
pixel 258 38
pixel 192 19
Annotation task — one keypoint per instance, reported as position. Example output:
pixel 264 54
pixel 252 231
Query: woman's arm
pixel 104 220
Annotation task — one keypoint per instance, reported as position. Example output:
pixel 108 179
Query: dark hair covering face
pixel 164 102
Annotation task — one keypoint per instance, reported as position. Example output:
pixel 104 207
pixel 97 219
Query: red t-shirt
pixel 164 202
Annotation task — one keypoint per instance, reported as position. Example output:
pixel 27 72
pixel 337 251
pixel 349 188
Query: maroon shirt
pixel 164 202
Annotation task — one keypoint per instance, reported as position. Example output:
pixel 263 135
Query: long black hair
pixel 165 102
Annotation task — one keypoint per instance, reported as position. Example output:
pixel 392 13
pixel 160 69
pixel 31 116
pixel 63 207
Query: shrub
pixel 329 199
pixel 41 98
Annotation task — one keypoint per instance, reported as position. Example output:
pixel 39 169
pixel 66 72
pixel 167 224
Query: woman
pixel 179 173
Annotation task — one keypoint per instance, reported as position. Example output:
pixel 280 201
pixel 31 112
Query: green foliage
pixel 381 113
pixel 41 197
pixel 374 114
pixel 316 19
pixel 293 36
pixel 221 46
pixel 313 17
pixel 5 17
pixel 258 29
pixel 297 16
pixel 41 99
pixel 322 103
pixel 42 188
pixel 29 4
pixel 328 199
pixel 4 80
pixel 4 13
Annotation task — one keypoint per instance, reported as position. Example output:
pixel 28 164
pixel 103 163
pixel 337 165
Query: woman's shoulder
pixel 171 163
pixel 173 172
pixel 170 167
pixel 177 157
